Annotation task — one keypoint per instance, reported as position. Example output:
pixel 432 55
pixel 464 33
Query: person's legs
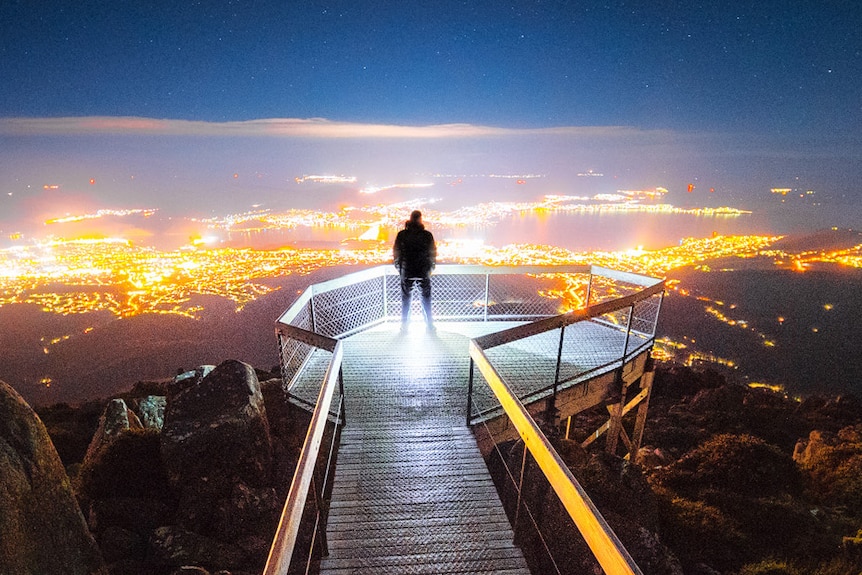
pixel 425 284
pixel 406 286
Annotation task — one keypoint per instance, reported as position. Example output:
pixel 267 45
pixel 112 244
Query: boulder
pixel 818 445
pixel 187 379
pixel 249 518
pixel 42 529
pixel 216 434
pixel 116 419
pixel 128 466
pixel 151 410
pixel 134 514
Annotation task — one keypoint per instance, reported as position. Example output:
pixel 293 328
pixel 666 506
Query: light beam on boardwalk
pixel 412 493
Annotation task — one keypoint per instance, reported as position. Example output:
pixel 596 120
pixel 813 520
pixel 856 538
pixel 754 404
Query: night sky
pixel 745 93
pixel 784 66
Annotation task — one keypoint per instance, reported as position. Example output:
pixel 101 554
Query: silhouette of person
pixel 415 256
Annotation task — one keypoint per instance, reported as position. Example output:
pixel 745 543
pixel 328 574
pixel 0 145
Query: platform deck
pixel 412 493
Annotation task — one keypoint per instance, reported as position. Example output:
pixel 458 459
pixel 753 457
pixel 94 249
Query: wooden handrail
pixel 558 321
pixel 601 539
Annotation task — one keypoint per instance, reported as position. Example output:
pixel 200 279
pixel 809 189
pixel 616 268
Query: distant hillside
pixel 801 330
pixel 821 240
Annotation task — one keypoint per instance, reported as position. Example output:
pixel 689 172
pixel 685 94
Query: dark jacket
pixel 414 251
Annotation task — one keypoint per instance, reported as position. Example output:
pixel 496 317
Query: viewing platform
pixel 393 476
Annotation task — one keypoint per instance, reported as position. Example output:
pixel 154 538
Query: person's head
pixel 415 219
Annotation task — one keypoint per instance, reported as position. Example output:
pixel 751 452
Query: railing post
pixel 589 287
pixel 628 331
pixel 341 393
pixel 312 311
pixel 657 313
pixel 319 529
pixel 385 297
pixel 551 409
pixel 559 360
pixel 487 295
pixel 470 394
pixel 280 339
pixel 515 527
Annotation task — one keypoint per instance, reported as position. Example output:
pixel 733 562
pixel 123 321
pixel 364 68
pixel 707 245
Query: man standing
pixel 415 256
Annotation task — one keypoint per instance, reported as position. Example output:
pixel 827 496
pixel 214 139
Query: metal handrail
pixel 560 321
pixel 388 273
pixel 601 539
pixel 281 551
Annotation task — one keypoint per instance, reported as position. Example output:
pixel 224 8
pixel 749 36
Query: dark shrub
pixel 742 464
pixel 701 533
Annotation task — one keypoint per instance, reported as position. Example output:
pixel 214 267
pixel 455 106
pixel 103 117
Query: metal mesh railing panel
pixel 529 364
pixel 293 355
pixel 303 318
pixel 483 401
pixel 463 297
pixel 587 347
pixel 453 297
pixel 458 296
pixel 617 319
pixel 348 308
pixel 516 297
pixel 645 315
pixel 305 388
pixel 604 289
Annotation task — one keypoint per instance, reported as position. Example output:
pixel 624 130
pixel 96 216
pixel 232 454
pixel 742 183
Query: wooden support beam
pixel 640 420
pixel 615 424
pixel 626 441
pixel 604 427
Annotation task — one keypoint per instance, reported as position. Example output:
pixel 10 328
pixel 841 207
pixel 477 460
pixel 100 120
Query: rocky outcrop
pixel 833 464
pixel 183 482
pixel 42 529
pixel 175 546
pixel 192 487
pixel 216 447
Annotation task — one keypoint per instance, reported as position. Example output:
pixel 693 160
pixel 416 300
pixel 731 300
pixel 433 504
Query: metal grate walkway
pixel 412 493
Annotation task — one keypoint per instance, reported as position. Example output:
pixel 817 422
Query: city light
pixel 115 275
pixel 118 276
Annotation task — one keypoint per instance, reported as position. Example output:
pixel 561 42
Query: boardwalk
pixel 412 493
